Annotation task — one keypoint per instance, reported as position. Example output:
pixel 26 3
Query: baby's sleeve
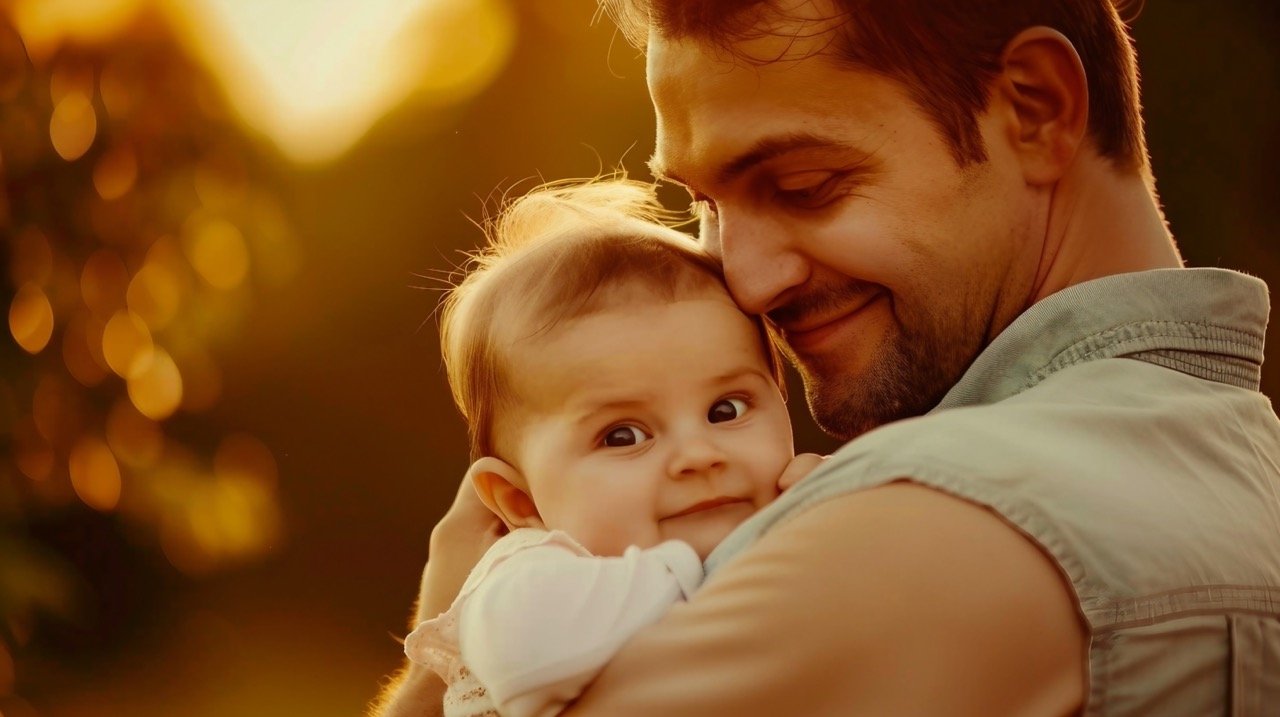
pixel 547 620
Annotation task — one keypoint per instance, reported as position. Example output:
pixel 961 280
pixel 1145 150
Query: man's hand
pixel 798 468
pixel 458 541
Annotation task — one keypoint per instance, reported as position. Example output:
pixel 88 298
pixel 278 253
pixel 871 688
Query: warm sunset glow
pixel 95 474
pixel 44 23
pixel 31 319
pixel 315 76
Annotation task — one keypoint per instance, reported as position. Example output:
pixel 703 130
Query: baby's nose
pixel 696 455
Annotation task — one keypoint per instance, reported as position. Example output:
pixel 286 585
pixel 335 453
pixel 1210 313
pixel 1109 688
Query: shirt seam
pixel 1237 339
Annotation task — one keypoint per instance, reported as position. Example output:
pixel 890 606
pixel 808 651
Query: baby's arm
pixel 546 620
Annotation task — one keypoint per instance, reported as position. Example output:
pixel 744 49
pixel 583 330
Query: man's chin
pixel 846 407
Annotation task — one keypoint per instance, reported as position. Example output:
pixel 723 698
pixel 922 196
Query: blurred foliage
pixel 135 234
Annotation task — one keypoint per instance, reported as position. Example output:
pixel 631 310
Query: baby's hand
pixel 798 468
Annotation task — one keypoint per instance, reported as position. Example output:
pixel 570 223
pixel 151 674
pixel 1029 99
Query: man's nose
pixel 695 454
pixel 761 265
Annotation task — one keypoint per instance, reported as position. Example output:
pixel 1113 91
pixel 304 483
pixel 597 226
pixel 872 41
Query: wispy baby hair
pixel 553 255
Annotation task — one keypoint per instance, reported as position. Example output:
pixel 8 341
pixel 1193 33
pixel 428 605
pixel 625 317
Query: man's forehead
pixel 717 118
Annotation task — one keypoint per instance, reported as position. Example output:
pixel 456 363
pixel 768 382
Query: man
pixel 947 213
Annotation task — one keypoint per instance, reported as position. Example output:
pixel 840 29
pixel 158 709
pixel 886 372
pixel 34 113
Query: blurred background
pixel 224 429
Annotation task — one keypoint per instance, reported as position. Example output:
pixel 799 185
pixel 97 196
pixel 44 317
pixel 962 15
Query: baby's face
pixel 651 421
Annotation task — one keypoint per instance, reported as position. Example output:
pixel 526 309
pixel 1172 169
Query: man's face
pixel 840 213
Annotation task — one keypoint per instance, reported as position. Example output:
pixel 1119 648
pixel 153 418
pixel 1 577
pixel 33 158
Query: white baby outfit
pixel 540 616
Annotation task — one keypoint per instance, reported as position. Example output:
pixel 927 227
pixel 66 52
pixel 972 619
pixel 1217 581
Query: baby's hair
pixel 553 255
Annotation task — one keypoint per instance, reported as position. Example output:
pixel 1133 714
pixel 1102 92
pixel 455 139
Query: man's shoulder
pixel 941 588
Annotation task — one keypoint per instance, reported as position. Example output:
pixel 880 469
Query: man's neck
pixel 1101 222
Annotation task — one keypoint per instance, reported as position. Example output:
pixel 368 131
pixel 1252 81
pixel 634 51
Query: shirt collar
pixel 1209 323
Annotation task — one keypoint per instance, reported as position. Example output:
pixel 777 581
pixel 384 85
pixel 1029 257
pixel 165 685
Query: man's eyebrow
pixel 762 151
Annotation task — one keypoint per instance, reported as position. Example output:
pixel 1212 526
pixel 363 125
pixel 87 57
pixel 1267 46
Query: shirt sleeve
pixel 546 620
pixel 893 601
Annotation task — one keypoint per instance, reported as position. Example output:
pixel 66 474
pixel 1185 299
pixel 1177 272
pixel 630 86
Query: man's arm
pixel 893 601
pixel 465 532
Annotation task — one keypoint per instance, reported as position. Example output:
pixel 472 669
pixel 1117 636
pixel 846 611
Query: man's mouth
pixel 806 335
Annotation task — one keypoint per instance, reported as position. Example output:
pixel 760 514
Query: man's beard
pixel 907 376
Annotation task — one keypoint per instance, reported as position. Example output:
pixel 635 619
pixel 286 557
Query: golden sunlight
pixel 315 76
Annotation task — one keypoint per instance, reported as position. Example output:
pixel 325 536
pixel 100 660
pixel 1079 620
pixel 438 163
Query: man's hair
pixel 555 254
pixel 944 52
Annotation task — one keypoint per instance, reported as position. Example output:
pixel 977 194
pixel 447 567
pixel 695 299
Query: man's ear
pixel 496 482
pixel 1044 85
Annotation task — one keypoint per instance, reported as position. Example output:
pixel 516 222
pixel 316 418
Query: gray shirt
pixel 1119 426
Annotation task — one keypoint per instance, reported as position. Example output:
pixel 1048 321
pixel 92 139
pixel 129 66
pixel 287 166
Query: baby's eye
pixel 726 409
pixel 621 436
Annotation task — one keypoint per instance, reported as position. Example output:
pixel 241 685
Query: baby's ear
pixel 496 483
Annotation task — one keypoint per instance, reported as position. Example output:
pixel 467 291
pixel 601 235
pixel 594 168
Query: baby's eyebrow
pixel 739 374
pixel 587 410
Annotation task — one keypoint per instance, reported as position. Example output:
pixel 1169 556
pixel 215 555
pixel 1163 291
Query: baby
pixel 624 417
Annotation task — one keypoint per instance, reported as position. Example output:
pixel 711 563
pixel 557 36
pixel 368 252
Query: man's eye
pixel 622 436
pixel 727 409
pixel 811 194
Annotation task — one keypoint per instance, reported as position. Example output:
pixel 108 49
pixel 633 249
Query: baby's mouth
pixel 706 505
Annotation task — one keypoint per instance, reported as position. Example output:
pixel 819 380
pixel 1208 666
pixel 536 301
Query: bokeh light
pixel 217 252
pixel 156 391
pixel 31 319
pixel 73 126
pixel 127 344
pixel 95 475
pixel 115 172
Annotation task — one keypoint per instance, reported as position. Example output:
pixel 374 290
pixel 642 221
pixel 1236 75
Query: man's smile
pixel 809 335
